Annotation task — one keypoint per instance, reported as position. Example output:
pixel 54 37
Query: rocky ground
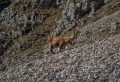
pixel 97 62
pixel 26 25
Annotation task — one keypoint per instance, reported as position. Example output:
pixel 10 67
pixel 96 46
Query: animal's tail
pixel 50 40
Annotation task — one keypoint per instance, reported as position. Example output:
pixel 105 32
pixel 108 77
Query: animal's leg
pixel 60 47
pixel 51 51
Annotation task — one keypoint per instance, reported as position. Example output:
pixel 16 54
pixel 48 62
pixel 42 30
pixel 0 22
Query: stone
pixel 34 23
pixel 106 1
pixel 113 27
pixel 85 5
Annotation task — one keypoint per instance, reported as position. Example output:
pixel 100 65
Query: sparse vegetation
pixel 41 56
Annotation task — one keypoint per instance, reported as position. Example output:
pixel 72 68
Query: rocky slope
pixel 99 62
pixel 26 25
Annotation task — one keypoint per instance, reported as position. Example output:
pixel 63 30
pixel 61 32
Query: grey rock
pixel 106 1
pixel 26 24
pixel 85 5
pixel 34 23
pixel 113 27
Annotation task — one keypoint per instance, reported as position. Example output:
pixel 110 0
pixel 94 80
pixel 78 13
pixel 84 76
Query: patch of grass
pixel 17 6
pixel 41 56
pixel 91 41
pixel 88 32
pixel 83 41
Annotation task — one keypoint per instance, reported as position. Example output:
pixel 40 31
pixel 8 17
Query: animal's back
pixel 56 41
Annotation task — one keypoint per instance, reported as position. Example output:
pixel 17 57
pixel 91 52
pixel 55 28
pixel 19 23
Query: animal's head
pixel 69 40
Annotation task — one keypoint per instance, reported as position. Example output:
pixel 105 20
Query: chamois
pixel 59 42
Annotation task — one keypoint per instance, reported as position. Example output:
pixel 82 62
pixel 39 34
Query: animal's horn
pixel 76 23
pixel 73 35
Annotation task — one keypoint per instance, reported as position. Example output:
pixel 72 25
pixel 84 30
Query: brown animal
pixel 59 42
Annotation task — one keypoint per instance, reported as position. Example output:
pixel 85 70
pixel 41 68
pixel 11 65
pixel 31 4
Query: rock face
pixel 26 25
pixel 45 4
pixel 4 3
